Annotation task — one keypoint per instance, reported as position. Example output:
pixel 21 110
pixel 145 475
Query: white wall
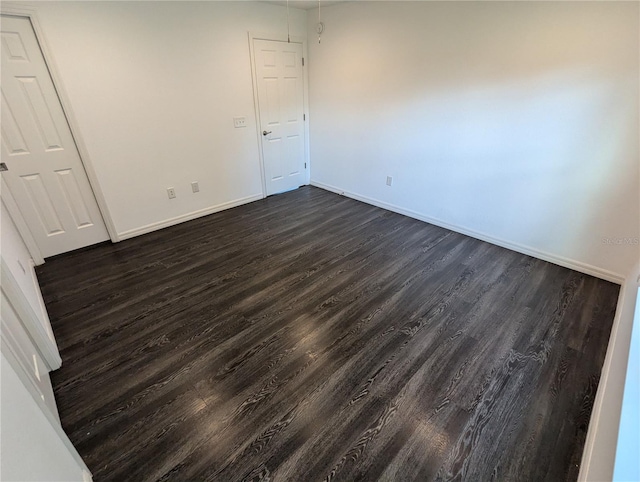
pixel 513 121
pixel 32 449
pixel 154 87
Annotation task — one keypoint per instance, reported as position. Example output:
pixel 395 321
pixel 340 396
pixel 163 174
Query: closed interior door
pixel 281 104
pixel 45 174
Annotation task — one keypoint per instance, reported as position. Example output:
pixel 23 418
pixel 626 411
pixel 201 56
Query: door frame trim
pixel 16 216
pixel 7 348
pixel 30 11
pixel 280 37
pixel 47 347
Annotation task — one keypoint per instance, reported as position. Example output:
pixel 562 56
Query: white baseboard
pixel 559 260
pixel 187 217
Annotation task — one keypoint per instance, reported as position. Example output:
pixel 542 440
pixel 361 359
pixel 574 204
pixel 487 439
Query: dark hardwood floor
pixel 309 336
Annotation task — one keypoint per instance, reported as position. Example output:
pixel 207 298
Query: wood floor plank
pixel 309 336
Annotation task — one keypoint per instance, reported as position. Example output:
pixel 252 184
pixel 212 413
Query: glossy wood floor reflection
pixel 309 336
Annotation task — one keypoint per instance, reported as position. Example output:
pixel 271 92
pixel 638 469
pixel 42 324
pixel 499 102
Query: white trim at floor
pixel 559 260
pixel 188 217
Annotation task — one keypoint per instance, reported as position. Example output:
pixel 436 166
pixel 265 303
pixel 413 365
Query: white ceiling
pixel 304 4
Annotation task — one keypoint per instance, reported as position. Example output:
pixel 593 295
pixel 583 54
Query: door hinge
pixel 305 165
pixel 303 61
pixel 304 117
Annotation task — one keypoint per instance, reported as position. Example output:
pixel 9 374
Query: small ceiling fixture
pixel 320 26
pixel 288 36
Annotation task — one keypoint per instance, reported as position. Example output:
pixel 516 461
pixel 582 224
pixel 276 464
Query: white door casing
pixel 280 92
pixel 46 176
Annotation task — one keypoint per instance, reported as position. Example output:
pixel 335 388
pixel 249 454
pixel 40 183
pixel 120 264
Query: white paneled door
pixel 45 174
pixel 279 80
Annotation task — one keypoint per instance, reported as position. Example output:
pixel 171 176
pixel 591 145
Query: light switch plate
pixel 239 122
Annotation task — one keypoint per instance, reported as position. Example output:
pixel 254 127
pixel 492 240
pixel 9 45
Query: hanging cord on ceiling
pixel 319 22
pixel 288 36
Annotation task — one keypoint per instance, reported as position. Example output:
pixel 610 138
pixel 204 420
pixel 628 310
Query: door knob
pixel 3 167
pixel 264 133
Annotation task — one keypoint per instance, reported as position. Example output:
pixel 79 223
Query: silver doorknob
pixel 264 133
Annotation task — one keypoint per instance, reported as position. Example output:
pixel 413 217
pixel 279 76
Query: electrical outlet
pixel 171 192
pixel 195 187
pixel 239 122
pixel 389 180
